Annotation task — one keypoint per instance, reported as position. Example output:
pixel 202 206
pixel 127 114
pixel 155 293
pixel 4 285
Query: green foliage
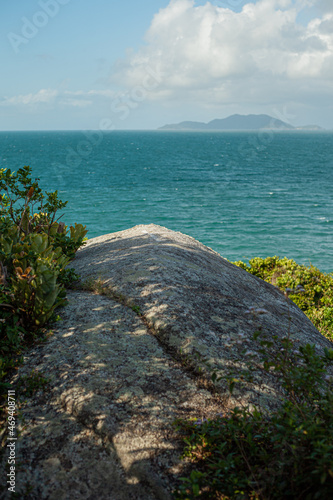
pixel 11 335
pixel 29 384
pixel 254 455
pixel 136 309
pixel 316 302
pixel 19 195
pixel 34 250
pixel 70 243
pixel 34 265
pixel 68 277
pixel 249 454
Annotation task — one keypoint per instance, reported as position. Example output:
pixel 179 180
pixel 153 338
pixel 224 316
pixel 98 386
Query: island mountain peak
pixel 237 122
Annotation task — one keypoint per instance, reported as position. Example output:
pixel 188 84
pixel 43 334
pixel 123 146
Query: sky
pixel 106 65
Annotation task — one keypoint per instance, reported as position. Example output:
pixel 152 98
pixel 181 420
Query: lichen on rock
pixel 122 366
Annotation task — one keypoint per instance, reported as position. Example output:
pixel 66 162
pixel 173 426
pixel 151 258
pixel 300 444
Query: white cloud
pixel 90 93
pixel 52 97
pixel 76 103
pixel 43 96
pixel 211 61
pixel 210 54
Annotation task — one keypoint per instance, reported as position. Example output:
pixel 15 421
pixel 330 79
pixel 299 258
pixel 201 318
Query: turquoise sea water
pixel 244 194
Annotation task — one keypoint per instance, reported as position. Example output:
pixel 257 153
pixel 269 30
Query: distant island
pixel 239 122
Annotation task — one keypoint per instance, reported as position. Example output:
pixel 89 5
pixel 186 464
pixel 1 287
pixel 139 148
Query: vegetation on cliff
pixel 243 453
pixel 316 301
pixel 288 453
pixel 34 251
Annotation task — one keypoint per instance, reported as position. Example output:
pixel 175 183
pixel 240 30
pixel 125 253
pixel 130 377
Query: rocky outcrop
pixel 123 364
pixel 195 301
pixel 103 426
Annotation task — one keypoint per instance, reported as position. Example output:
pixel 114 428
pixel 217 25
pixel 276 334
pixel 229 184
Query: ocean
pixel 244 194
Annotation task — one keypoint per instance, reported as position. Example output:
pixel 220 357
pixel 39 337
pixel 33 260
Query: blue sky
pixel 83 64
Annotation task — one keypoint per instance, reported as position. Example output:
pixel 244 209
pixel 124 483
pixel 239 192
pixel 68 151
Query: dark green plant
pixel 69 244
pixel 288 453
pixel 20 196
pixel 136 309
pixel 29 384
pixel 68 277
pixel 316 301
pixel 34 266
pixel 34 251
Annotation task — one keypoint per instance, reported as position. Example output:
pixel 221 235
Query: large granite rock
pixel 195 301
pixel 124 365
pixel 102 429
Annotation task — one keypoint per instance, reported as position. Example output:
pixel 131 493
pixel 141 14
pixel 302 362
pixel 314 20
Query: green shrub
pixel 35 266
pixel 316 302
pixel 250 454
pixel 68 277
pixel 11 335
pixel 254 455
pixel 19 195
pixel 29 384
pixel 35 248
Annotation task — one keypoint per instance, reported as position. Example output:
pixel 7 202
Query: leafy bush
pixel 68 277
pixel 35 266
pixel 11 335
pixel 316 302
pixel 18 198
pixel 35 248
pixel 29 384
pixel 249 454
pixel 252 455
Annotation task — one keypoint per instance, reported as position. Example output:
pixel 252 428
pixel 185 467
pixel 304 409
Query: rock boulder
pixel 130 355
pixel 195 302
